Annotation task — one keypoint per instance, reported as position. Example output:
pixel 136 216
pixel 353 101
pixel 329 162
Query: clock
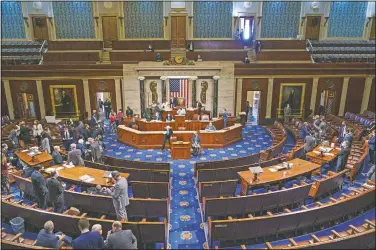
pixel 179 59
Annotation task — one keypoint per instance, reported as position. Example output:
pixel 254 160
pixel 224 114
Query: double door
pixel 178 31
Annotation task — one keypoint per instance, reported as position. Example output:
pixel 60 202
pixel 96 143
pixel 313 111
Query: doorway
pixel 25 108
pixel 327 102
pixel 312 31
pixel 100 98
pixel 247 24
pixel 40 28
pixel 253 97
pixel 109 28
pixel 178 30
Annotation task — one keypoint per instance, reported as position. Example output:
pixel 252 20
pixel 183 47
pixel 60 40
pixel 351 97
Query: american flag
pixel 179 88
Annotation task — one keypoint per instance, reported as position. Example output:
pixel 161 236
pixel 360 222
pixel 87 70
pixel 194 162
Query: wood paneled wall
pixel 337 86
pixel 96 86
pixel 277 89
pixel 263 87
pixel 15 88
pixel 79 89
pixel 355 95
pixel 372 99
pixel 4 106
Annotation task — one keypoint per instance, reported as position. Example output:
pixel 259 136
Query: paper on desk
pixel 25 150
pixel 273 170
pixel 330 154
pixel 85 177
pixel 316 152
pixel 59 168
pixel 91 179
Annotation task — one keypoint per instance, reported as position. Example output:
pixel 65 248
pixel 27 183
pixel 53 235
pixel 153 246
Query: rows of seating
pixel 249 159
pixel 361 120
pixel 351 237
pixel 16 241
pixel 336 122
pixel 341 43
pixel 214 189
pixel 307 218
pixel 142 208
pixel 25 52
pixel 343 58
pixel 154 190
pixel 145 232
pixel 357 157
pixel 342 50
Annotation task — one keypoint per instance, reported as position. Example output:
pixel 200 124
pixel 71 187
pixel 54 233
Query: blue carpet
pixel 186 227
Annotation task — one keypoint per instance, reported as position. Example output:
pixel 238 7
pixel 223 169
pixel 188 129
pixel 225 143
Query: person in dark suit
pixel 107 108
pixel 247 110
pixel 40 188
pixel 24 135
pixel 67 137
pixel 167 137
pixel 199 107
pixel 56 192
pixel 120 239
pixel 342 132
pixel 75 156
pixel 119 195
pixel 169 117
pixel 87 239
pixel 303 131
pixel 348 137
pixel 56 156
pixel 371 146
pixel 157 116
pixel 47 238
pixel 342 156
pixel 94 119
pixel 129 112
pixel 196 143
pixel 175 101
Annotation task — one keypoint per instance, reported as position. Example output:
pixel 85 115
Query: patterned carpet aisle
pixel 186 228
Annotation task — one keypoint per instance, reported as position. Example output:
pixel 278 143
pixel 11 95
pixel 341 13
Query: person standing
pixel 196 143
pixel 129 112
pixel 120 117
pixel 4 174
pixel 94 120
pixel 120 239
pixel 119 195
pixel 303 131
pixel 56 192
pixel 247 110
pixel 107 107
pixel 56 156
pixel 67 137
pixel 348 137
pixel 371 145
pixel 287 113
pixel 342 156
pixel 199 107
pixel 342 132
pixel 13 137
pixel 75 156
pixel 40 188
pixel 24 135
pixel 45 144
pixel 225 118
pixel 101 116
pixel 167 137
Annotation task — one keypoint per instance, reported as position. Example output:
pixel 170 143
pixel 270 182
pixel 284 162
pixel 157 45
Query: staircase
pixel 105 56
pixel 251 55
pixel 177 52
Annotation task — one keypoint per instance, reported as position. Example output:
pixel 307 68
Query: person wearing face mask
pixel 342 156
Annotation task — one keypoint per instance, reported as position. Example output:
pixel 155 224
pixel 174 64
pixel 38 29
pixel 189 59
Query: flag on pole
pixel 179 88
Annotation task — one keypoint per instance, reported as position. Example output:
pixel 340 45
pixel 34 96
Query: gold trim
pixel 178 9
pixel 52 87
pixel 303 94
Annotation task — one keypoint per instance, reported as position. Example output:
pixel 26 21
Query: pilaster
pixel 366 94
pixel 314 94
pixel 345 86
pixel 42 106
pixel 8 96
pixel 269 98
pixel 85 83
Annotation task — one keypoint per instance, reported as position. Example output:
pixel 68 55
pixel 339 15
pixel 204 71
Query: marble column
pixel 239 88
pixel 164 89
pixel 117 94
pixel 269 98
pixel 314 94
pixel 42 107
pixel 85 82
pixel 142 95
pixel 194 90
pixel 342 104
pixel 366 94
pixel 215 96
pixel 8 96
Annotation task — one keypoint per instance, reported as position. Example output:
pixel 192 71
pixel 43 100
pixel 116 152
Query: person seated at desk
pixel 303 131
pixel 98 190
pixel 132 123
pixel 129 112
pixel 157 116
pixel 181 111
pixel 196 144
pixel 174 102
pixel 47 238
pixel 309 143
pixel 199 59
pixel 210 127
pixel 158 57
pixel 169 117
pixel 57 156
pixel 149 49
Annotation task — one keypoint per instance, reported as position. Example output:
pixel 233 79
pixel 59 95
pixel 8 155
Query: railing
pixel 295 113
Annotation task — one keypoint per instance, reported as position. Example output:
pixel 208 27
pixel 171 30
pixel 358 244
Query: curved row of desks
pixel 153 139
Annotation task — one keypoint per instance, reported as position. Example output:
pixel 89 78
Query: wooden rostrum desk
pixel 180 150
pixel 180 122
pixel 153 139
pixel 43 158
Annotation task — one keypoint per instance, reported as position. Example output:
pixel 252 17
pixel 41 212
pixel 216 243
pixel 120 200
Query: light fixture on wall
pixel 259 19
pixel 26 19
pixel 166 19
pixel 121 18
pixel 369 20
pixel 326 20
pixel 96 19
pixel 302 18
pixel 315 6
pixel 37 6
pixel 190 19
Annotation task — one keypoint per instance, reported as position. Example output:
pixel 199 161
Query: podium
pixel 180 150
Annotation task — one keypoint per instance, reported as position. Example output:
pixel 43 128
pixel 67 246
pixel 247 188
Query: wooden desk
pixel 190 125
pixel 317 158
pixel 72 175
pixel 180 150
pixel 300 168
pixel 44 159
pixel 154 139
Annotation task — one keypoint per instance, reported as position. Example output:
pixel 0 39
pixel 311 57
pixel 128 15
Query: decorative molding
pixel 141 78
pixel 193 78
pixel 216 78
pixel 37 6
pixel 163 78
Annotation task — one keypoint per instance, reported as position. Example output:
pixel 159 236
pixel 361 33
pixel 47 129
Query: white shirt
pixel 181 112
